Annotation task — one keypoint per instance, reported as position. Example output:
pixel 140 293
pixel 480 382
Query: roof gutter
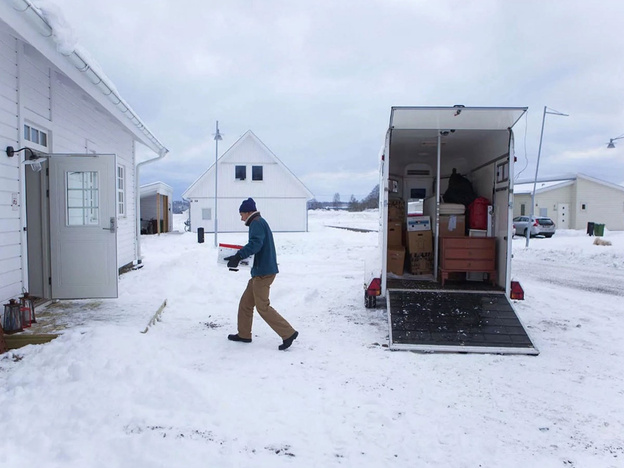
pixel 97 78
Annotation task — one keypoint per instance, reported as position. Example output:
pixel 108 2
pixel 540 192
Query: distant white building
pixel 69 186
pixel 573 201
pixel 248 169
pixel 156 208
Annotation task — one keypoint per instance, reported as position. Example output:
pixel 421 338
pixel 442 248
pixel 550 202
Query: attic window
pixel 35 135
pixel 256 172
pixel 240 172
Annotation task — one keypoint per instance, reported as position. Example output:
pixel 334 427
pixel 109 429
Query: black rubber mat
pixel 456 321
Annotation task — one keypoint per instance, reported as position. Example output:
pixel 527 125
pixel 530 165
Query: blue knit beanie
pixel 248 206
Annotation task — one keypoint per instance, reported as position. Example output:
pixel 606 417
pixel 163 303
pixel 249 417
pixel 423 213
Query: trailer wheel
pixel 370 302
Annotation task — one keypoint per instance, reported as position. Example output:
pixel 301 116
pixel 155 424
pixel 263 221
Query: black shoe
pixel 238 338
pixel 288 341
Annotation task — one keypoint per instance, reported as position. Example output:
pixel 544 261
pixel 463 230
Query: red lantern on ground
pixel 27 307
pixel 12 318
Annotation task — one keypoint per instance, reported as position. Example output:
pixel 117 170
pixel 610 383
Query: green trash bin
pixel 598 229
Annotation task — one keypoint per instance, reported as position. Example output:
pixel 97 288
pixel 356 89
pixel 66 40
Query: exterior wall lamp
pixel 611 140
pixel 10 152
pixel 33 159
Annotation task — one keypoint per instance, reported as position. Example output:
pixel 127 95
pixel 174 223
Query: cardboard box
pixel 452 226
pixel 418 223
pixel 396 260
pixel 419 242
pixel 227 250
pixel 395 233
pixel 421 263
pixel 396 210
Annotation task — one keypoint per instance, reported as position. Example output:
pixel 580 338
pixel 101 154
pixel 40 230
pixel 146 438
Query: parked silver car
pixel 539 226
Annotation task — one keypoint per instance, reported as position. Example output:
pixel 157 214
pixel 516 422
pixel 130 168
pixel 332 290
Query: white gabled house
pixel 248 169
pixel 572 201
pixel 68 165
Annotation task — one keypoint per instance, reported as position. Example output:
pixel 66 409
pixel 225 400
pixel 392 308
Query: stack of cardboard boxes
pixel 396 246
pixel 420 244
pixel 452 220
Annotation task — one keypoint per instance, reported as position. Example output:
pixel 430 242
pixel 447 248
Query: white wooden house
pixel 69 174
pixel 573 201
pixel 248 169
pixel 156 208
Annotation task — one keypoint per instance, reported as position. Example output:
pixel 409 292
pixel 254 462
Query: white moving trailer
pixel 423 147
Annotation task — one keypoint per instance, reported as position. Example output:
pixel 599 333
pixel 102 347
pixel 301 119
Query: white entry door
pixel 83 227
pixel 562 215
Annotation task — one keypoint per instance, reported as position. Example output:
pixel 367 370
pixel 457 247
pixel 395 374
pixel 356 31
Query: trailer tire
pixel 370 302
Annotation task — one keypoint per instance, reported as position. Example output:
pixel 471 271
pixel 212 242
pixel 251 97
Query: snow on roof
pixel 526 188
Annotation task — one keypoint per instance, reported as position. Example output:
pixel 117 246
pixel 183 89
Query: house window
pixel 121 191
pixel 522 209
pixel 240 172
pixel 35 135
pixel 82 198
pixel 256 172
pixel 207 213
pixel 583 207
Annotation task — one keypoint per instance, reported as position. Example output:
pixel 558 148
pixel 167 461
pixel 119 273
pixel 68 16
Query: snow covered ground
pixel 104 394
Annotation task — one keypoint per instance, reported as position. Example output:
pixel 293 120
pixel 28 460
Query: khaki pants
pixel 257 294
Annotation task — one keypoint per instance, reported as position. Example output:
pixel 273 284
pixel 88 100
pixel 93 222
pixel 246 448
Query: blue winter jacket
pixel 260 245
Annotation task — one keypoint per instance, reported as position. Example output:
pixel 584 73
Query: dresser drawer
pixel 468 254
pixel 468 242
pixel 468 265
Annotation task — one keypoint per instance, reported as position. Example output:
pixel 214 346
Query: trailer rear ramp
pixel 461 321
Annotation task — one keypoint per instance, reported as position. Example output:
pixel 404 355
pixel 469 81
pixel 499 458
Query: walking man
pixel 263 274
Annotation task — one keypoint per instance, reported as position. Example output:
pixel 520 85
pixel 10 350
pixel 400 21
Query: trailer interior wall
pixel 476 154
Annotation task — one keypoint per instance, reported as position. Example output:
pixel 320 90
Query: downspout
pixel 137 199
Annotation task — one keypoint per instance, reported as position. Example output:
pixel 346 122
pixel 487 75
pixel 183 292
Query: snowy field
pixel 104 394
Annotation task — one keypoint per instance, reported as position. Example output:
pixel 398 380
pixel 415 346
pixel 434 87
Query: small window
pixel 583 207
pixel 240 172
pixel 82 198
pixel 522 209
pixel 207 213
pixel 121 191
pixel 35 135
pixel 256 172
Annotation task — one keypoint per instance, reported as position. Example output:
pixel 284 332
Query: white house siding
pixel 283 215
pixel 546 203
pixel 84 126
pixel 11 267
pixel 81 125
pixel 604 205
pixel 33 91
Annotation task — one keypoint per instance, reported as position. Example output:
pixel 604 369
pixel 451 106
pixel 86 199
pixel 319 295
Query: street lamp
pixel 611 140
pixel 217 138
pixel 539 152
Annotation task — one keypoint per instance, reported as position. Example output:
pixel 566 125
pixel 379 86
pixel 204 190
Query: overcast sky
pixel 315 79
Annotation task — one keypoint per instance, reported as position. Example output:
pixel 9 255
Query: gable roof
pixel 263 156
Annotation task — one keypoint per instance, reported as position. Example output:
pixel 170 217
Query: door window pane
pixel 82 199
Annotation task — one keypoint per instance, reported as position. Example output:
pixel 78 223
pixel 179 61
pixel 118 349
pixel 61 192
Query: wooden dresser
pixel 463 254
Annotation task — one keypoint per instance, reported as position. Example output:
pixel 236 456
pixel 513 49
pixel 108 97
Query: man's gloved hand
pixel 233 261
